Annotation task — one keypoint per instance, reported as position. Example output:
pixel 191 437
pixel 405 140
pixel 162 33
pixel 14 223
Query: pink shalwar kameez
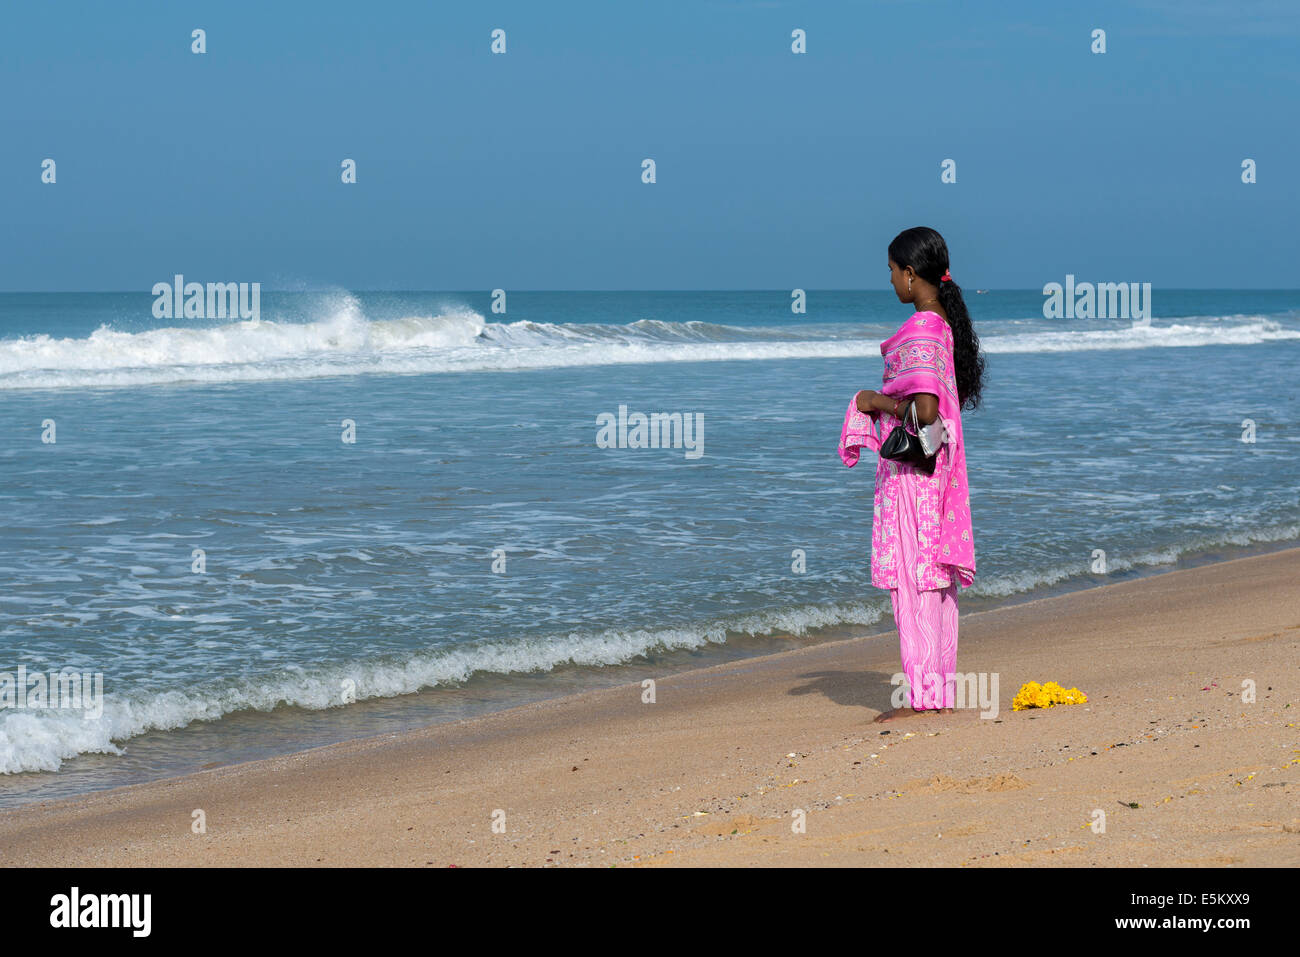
pixel 922 542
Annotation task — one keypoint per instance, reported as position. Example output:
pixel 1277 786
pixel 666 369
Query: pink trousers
pixel 926 620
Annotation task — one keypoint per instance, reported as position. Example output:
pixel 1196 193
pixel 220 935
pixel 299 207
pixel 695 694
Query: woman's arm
pixel 927 404
pixel 927 407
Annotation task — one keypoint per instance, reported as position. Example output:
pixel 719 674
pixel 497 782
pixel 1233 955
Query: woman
pixel 922 544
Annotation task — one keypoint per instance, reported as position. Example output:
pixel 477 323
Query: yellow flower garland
pixel 1034 695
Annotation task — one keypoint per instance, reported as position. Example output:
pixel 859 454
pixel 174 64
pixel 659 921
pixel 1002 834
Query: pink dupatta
pixel 919 358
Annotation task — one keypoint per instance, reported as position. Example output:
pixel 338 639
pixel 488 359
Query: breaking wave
pixel 345 343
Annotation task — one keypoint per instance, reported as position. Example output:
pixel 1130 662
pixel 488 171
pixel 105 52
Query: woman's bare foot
pixel 897 713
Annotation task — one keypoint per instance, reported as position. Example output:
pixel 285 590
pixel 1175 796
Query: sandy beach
pixel 717 769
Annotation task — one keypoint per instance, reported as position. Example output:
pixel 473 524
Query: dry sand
pixel 704 776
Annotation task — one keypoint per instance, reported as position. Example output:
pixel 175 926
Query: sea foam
pixel 41 740
pixel 345 342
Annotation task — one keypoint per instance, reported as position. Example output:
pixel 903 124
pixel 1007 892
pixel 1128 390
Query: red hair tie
pixel 945 277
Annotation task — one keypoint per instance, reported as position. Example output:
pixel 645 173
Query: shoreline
pixel 703 775
pixel 162 754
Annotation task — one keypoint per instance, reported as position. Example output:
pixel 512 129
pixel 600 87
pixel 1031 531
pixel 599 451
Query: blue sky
pixel 523 170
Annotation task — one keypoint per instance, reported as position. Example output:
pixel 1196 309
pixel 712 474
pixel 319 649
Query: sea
pixel 364 512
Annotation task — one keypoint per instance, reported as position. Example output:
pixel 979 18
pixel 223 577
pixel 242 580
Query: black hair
pixel 924 250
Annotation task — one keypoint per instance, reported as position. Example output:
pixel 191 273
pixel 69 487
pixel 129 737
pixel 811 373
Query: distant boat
pixel 980 292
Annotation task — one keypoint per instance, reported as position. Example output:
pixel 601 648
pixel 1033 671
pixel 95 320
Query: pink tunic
pixel 918 358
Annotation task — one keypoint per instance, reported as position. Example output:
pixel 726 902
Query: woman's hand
pixel 870 401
